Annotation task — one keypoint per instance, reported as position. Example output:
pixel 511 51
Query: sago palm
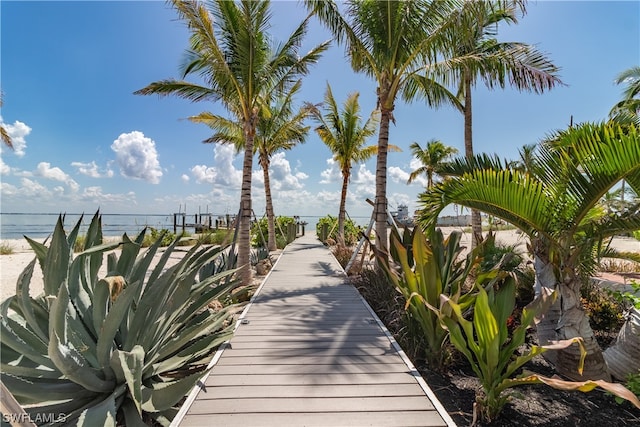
pixel 432 157
pixel 280 127
pixel 231 52
pixel 554 204
pixel 345 135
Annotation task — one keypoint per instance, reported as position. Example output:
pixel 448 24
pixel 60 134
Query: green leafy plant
pixel 493 351
pixel 428 269
pixel 631 297
pixel 6 249
pixel 606 313
pixel 330 224
pixel 260 231
pixel 122 349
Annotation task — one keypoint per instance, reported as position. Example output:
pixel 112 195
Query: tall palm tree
pixel 628 109
pixel 6 138
pixel 498 63
pixel 345 135
pixel 431 157
pixel 554 205
pixel 279 128
pixel 230 50
pixel 393 42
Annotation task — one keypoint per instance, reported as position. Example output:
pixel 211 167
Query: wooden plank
pixel 309 379
pixel 304 360
pixel 376 343
pixel 335 368
pixel 310 353
pixel 311 404
pixel 354 419
pixel 295 352
pixel 302 391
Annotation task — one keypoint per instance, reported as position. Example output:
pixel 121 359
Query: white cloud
pixel 332 173
pixel 92 170
pixel 46 171
pixel 17 131
pixel 8 189
pixel 281 176
pixel 33 188
pixel 97 196
pixel 185 178
pixel 137 157
pixel 223 172
pixel 4 168
pixel 397 175
pixel 364 183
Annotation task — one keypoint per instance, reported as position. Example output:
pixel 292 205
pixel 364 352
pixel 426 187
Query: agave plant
pixel 120 349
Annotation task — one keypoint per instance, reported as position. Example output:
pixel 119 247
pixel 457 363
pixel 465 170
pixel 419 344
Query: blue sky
pixel 84 141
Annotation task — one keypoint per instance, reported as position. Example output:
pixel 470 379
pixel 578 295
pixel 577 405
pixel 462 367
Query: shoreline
pixel 12 265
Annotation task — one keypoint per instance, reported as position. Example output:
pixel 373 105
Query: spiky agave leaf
pixel 123 348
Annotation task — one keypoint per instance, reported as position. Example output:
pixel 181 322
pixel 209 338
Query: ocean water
pixel 41 225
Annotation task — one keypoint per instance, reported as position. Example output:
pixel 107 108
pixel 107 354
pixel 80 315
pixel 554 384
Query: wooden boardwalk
pixel 309 351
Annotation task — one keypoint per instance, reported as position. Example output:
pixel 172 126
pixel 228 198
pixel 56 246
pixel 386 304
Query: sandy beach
pixel 12 265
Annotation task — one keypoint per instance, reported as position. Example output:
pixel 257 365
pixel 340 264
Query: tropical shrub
pixel 122 349
pixel 604 311
pixel 260 231
pixel 493 352
pixel 428 269
pixel 215 237
pixel 330 223
pixel 6 249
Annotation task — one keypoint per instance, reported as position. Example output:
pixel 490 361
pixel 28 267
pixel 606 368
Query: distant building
pixel 402 217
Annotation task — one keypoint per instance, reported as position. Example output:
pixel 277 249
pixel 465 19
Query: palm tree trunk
pixel 547 322
pixel 476 219
pixel 244 235
pixel 381 180
pixel 343 207
pixel 623 358
pixel 573 323
pixel 565 319
pixel 271 224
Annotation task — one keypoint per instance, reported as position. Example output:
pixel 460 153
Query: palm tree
pixel 345 135
pixel 278 129
pixel 230 51
pixel 393 42
pixel 6 138
pixel 497 63
pixel 554 205
pixel 432 157
pixel 628 109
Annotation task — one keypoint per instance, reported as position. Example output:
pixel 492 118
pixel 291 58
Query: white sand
pixel 12 265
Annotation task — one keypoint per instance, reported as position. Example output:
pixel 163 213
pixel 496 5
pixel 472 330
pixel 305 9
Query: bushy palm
pixel 627 110
pixel 395 43
pixel 232 53
pixel 496 63
pixel 431 157
pixel 118 349
pixel 345 135
pixel 553 204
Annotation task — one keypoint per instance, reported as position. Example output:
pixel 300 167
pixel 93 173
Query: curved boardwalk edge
pixel 310 351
